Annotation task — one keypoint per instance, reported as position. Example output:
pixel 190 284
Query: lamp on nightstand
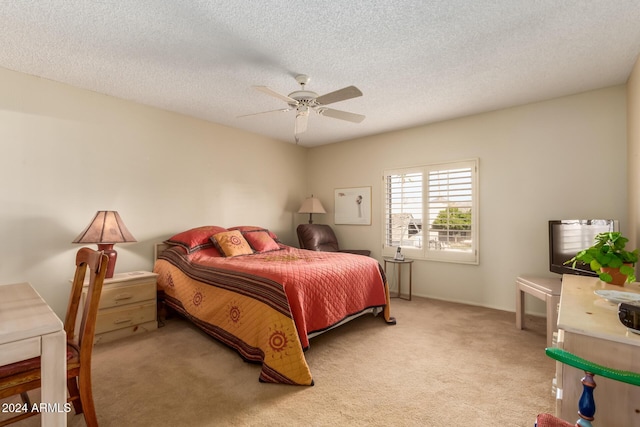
pixel 311 205
pixel 106 229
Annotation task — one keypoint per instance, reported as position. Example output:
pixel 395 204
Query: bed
pixel 264 299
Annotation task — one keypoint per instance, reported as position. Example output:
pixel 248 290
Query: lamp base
pixel 108 250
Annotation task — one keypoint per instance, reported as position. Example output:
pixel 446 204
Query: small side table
pixel 546 289
pixel 398 268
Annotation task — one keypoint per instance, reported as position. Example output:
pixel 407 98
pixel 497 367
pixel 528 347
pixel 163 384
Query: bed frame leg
pixel 387 308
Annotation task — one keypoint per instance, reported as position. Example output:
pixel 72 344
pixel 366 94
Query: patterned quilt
pixel 266 305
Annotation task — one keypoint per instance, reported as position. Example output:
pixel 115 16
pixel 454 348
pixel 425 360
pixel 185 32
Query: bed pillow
pixel 195 238
pixel 245 228
pixel 261 241
pixel 231 243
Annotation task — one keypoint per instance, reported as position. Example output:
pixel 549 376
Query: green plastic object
pixel 580 363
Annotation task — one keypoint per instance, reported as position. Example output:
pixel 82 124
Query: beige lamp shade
pixel 311 205
pixel 106 229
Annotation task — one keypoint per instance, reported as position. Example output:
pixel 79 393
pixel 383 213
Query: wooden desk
pixel 588 326
pixel 29 328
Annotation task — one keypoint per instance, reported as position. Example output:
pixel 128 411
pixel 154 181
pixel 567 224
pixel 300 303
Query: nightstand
pixel 127 306
pixel 398 266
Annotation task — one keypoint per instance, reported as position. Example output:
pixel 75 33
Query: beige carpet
pixel 443 364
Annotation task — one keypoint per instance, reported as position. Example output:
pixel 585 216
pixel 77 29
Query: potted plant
pixel 609 258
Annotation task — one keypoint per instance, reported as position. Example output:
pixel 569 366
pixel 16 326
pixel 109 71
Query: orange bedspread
pixel 266 305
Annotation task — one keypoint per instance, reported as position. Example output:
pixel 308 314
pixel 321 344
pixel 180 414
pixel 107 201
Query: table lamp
pixel 106 229
pixel 311 205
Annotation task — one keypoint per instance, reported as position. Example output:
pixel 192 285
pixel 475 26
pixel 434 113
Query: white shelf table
pixel 29 328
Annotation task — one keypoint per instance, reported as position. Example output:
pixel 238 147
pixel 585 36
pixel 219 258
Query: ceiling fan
pixel 303 101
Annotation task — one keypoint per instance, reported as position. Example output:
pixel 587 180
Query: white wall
pixel 549 160
pixel 66 153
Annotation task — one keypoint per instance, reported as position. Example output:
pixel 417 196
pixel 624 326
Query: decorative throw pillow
pixel 231 243
pixel 244 228
pixel 195 238
pixel 260 241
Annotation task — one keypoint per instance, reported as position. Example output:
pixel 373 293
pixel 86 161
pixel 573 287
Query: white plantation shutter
pixel 431 211
pixel 404 207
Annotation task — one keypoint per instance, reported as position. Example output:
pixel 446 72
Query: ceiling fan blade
pixel 342 115
pixel 281 110
pixel 302 119
pixel 272 92
pixel 339 95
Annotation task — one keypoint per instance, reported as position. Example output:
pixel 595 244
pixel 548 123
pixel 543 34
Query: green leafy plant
pixel 608 251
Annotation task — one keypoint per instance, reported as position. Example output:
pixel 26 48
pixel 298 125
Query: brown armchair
pixel 320 237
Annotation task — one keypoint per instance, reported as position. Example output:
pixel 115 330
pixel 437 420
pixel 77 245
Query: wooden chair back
pixel 95 263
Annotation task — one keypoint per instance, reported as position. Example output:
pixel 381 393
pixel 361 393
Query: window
pixel 431 211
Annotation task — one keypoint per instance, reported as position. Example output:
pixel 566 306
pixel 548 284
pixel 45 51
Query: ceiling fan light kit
pixel 303 101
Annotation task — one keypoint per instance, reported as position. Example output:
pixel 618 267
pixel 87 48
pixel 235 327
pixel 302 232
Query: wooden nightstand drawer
pixel 122 317
pixel 121 295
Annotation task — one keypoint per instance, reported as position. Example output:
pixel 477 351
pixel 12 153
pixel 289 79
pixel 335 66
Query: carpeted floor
pixel 443 364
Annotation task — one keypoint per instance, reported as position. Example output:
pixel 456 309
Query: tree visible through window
pixel 454 227
pixel 430 211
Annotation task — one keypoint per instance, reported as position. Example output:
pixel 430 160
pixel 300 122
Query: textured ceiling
pixel 416 62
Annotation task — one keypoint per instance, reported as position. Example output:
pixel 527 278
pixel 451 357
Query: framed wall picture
pixel 353 206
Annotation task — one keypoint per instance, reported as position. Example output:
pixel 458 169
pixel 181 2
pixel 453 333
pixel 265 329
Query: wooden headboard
pixel 158 248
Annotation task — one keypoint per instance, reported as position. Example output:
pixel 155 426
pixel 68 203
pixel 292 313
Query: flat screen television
pixel 567 237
